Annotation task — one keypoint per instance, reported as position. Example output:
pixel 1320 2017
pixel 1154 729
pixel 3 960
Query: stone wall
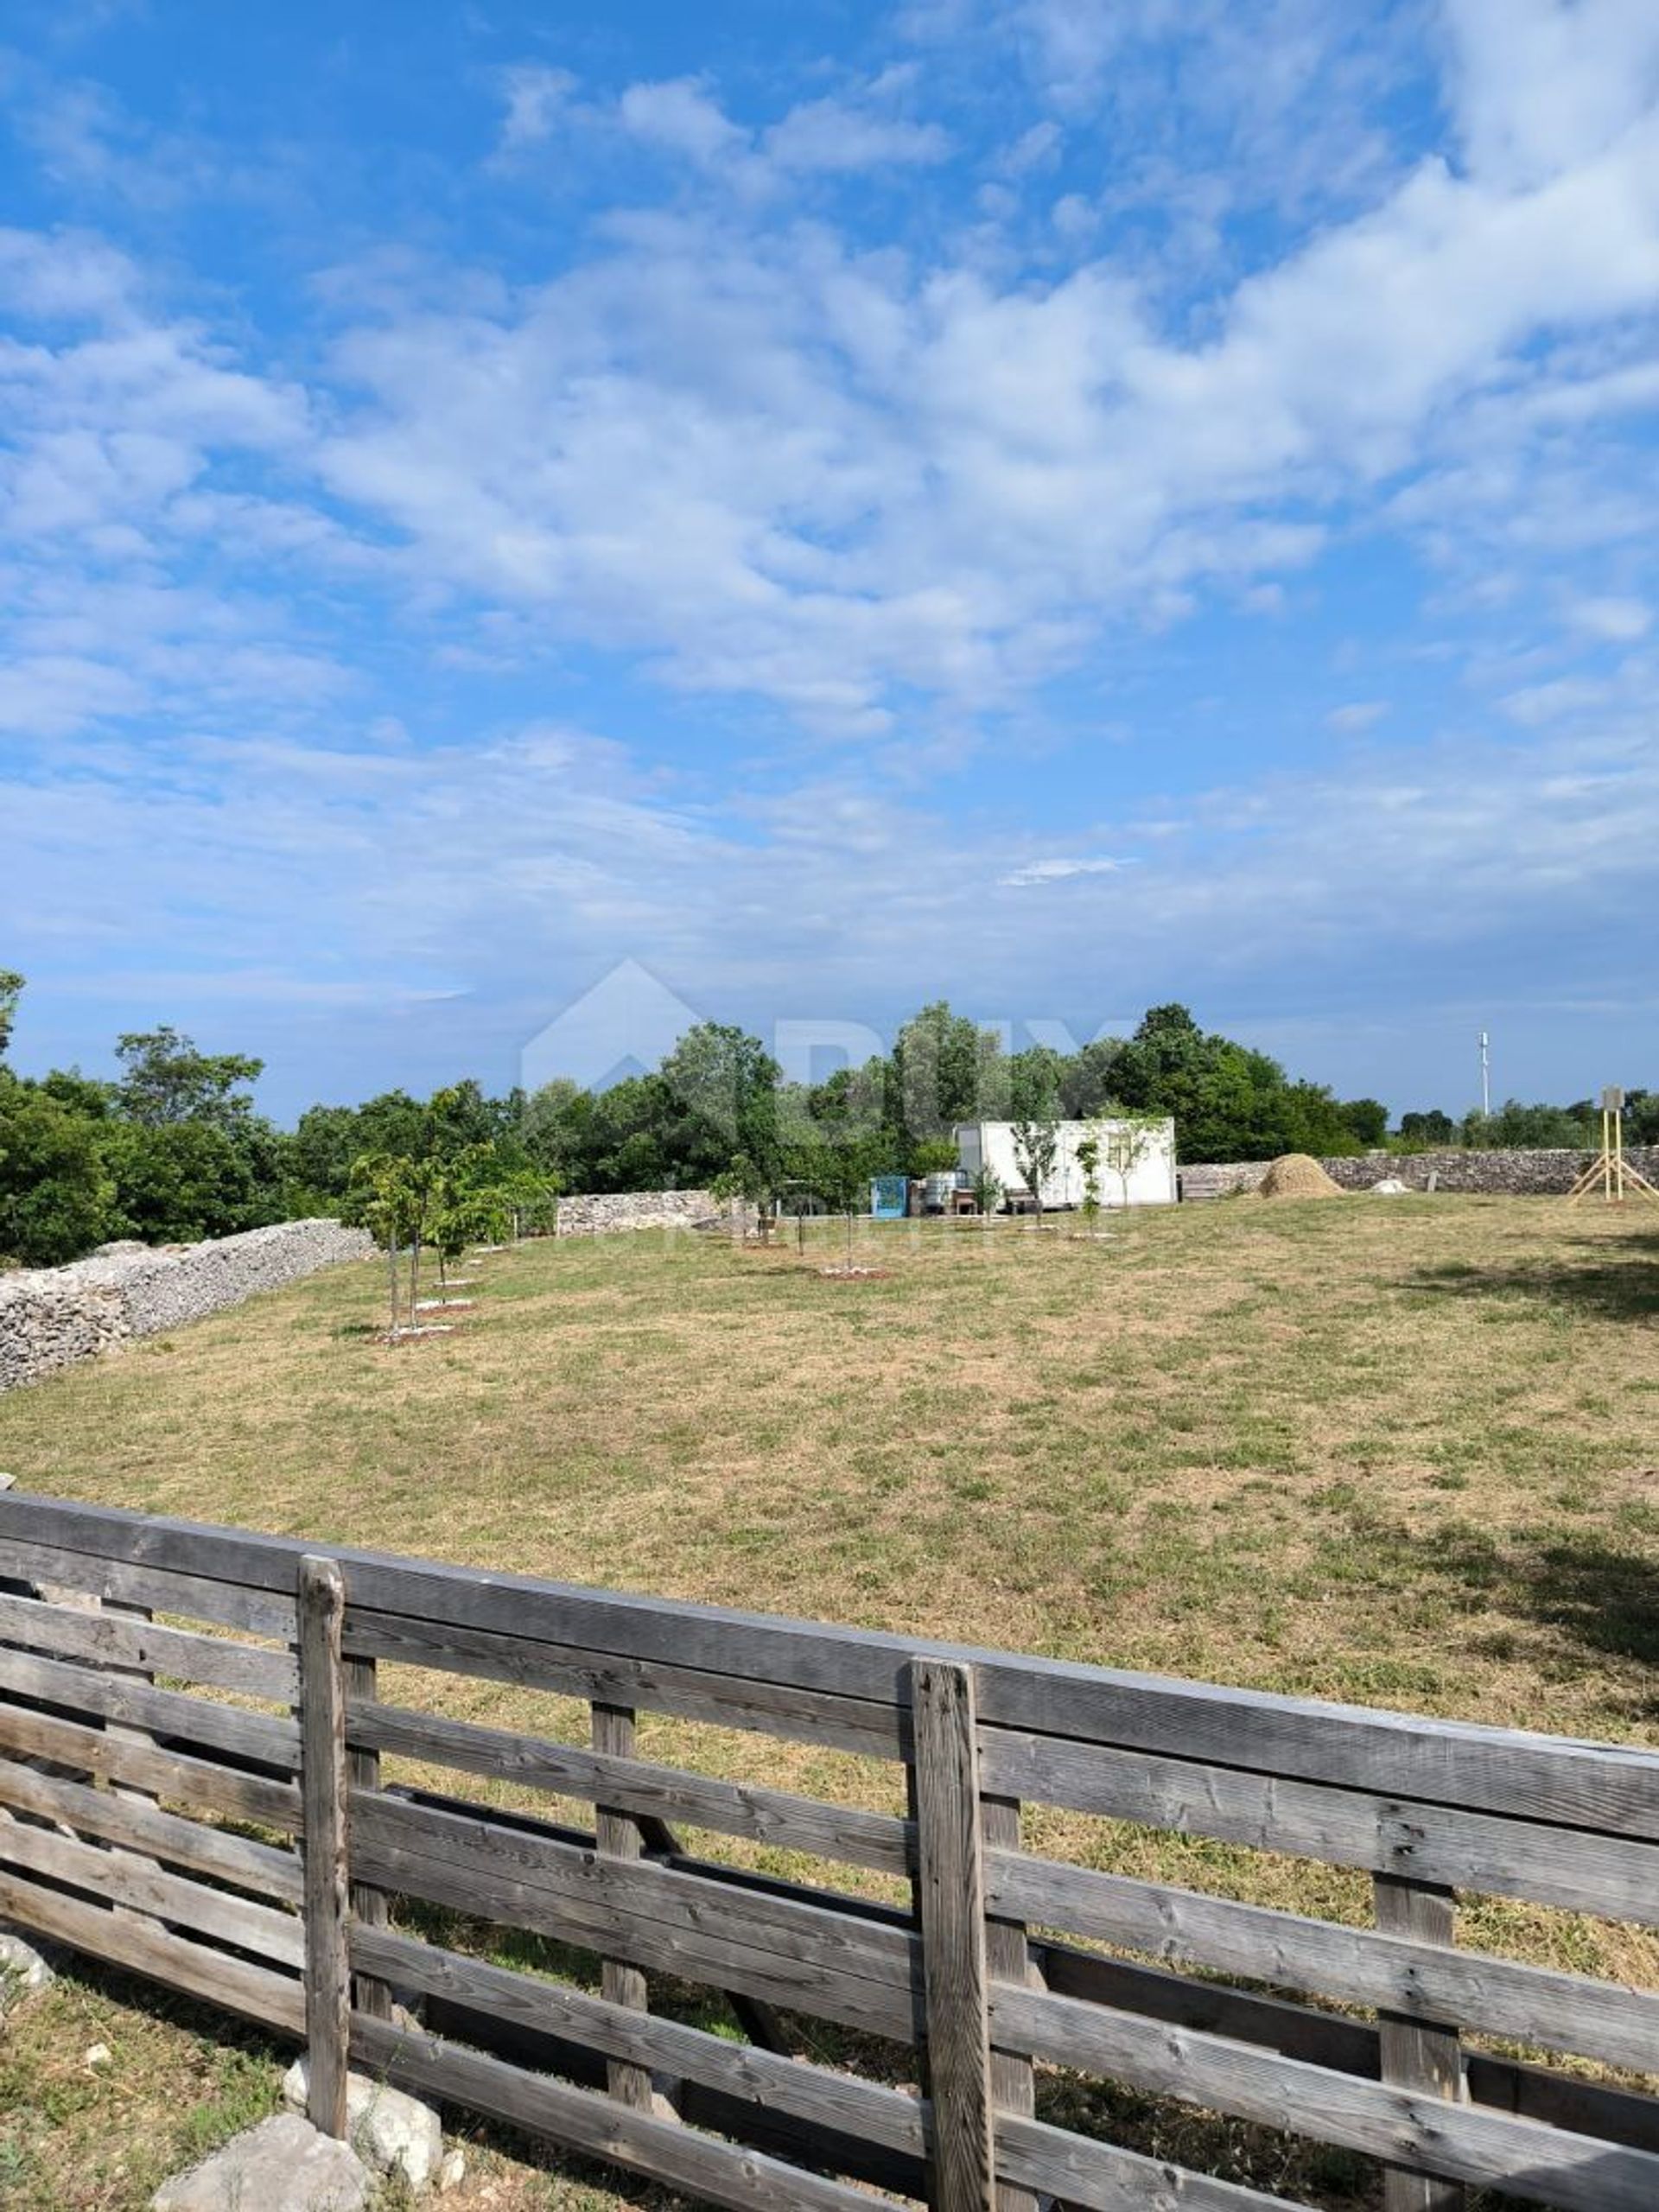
pixel 50 1317
pixel 597 1213
pixel 1501 1175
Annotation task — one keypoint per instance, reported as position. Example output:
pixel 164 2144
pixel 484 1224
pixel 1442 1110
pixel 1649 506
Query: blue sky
pixel 1062 504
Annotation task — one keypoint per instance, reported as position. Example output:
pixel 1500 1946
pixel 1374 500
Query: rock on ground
pixel 22 1968
pixel 281 2165
pixel 395 2133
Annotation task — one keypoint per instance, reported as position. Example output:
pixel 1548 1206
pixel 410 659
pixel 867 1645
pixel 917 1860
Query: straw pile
pixel 1297 1176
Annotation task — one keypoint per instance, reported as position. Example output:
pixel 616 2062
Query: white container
pixel 1137 1161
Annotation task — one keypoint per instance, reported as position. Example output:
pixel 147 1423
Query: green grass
pixel 1397 1454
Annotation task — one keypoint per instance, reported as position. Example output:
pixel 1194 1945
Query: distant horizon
pixel 1058 505
pixel 811 1065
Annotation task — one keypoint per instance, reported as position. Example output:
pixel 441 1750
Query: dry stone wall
pixel 51 1317
pixel 1500 1175
pixel 597 1213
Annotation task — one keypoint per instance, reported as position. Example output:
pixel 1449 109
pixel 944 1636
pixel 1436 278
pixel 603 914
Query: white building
pixel 1136 1167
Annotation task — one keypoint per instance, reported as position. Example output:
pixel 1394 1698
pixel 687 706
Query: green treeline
pixel 172 1149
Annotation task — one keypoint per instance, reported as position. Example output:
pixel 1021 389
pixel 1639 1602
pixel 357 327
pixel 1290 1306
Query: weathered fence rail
pixel 212 1804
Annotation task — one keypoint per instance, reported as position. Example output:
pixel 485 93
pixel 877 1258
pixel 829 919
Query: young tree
pixel 1037 1149
pixel 745 1179
pixel 392 1198
pixel 1088 1163
pixel 837 1164
pixel 1125 1141
pixel 987 1189
pixel 460 1217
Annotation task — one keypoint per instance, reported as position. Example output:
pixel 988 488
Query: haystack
pixel 1297 1176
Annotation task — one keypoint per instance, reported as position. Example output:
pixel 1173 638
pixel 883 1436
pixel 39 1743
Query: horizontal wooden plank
pixel 840 2101
pixel 663 1850
pixel 582 2119
pixel 1078 2171
pixel 122 1640
pixel 1610 1875
pixel 262 1739
pixel 857 1724
pixel 1352 2046
pixel 197 1784
pixel 877 1941
pixel 800 2142
pixel 1219 2007
pixel 119 1879
pixel 1359 1966
pixel 863 1838
pixel 836 1965
pixel 1559 2099
pixel 1461 2142
pixel 142 1947
pixel 192 1597
pixel 117 1818
pixel 1599 1787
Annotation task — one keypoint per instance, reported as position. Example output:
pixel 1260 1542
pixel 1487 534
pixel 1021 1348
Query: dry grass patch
pixel 1394 1452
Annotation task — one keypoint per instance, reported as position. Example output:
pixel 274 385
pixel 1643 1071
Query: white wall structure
pixel 50 1317
pixel 1137 1161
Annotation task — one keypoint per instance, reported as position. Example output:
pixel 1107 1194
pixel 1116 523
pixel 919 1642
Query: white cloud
pixel 536 97
pixel 1614 621
pixel 1039 147
pixel 834 134
pixel 1357 716
pixel 684 118
pixel 516 869
pixel 1059 870
pixel 1543 85
pixel 846 473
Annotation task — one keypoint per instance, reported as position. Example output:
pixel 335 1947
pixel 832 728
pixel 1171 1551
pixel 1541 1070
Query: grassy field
pixel 1399 1453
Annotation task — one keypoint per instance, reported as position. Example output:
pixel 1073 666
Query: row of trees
pixel 171 1149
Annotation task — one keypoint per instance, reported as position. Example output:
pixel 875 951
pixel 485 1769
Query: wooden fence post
pixel 951 1898
pixel 131 1735
pixel 617 1837
pixel 1416 2057
pixel 370 1907
pixel 324 1800
pixel 1007 1958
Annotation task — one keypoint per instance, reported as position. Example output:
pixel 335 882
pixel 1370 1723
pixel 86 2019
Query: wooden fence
pixel 156 1826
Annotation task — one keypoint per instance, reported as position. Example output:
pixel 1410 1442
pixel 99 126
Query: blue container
pixel 888 1195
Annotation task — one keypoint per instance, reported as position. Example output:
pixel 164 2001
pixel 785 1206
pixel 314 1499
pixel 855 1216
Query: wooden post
pixel 951 1894
pixel 1416 2057
pixel 133 1735
pixel 1007 1958
pixel 324 1800
pixel 370 1906
pixel 617 1837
